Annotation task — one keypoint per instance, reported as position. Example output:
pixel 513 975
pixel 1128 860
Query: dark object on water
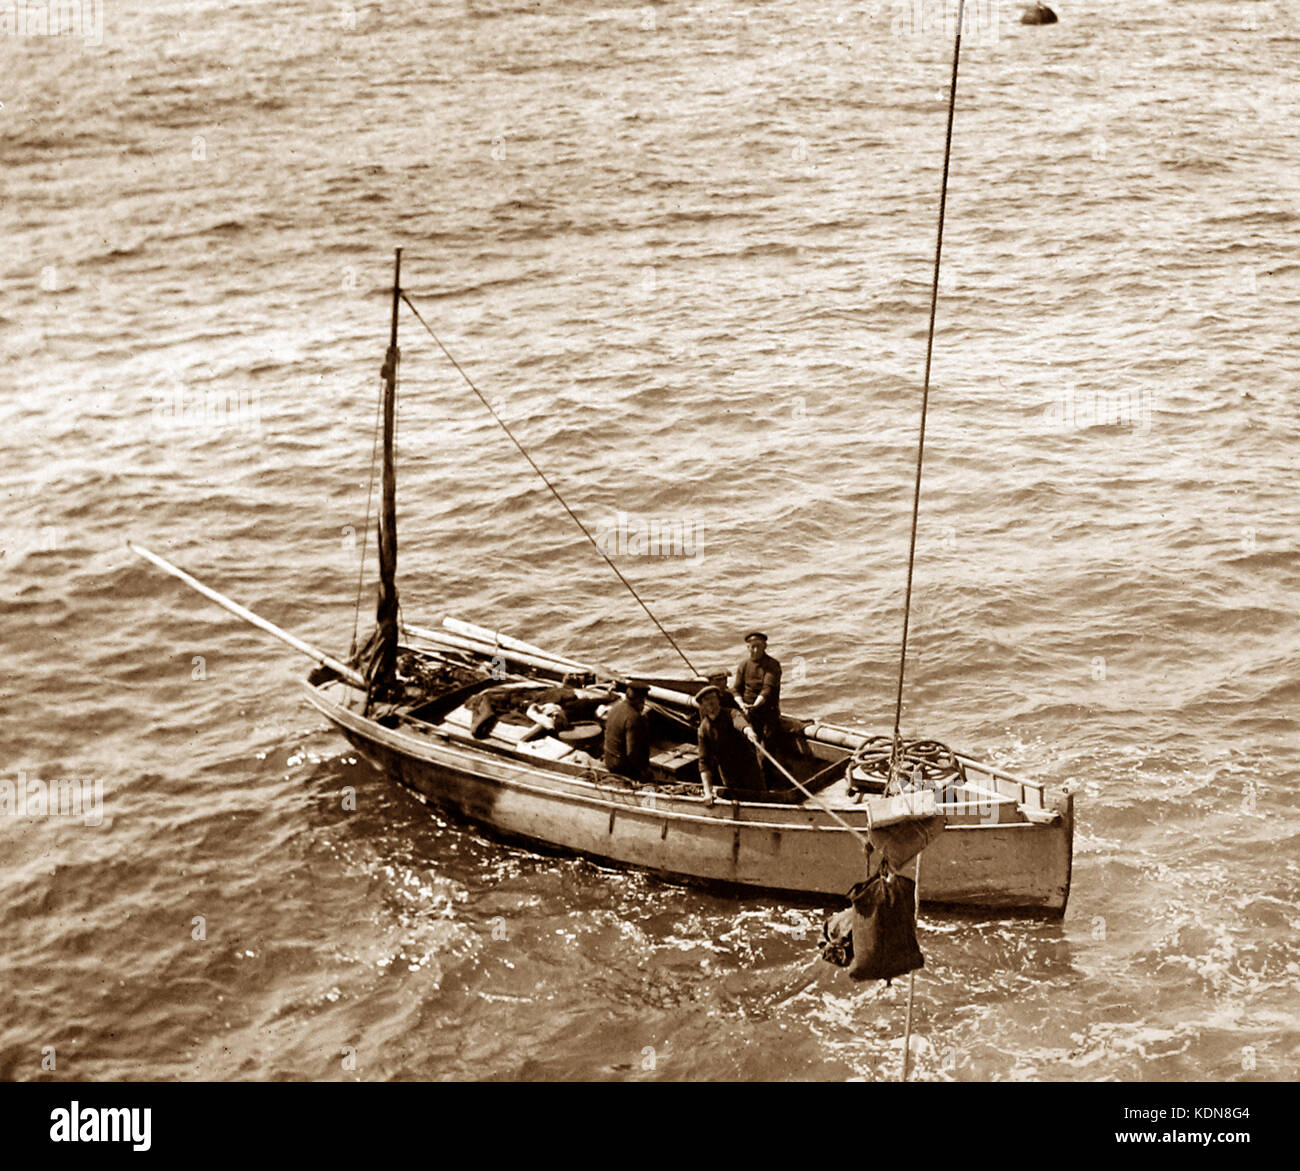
pixel 876 937
pixel 1038 14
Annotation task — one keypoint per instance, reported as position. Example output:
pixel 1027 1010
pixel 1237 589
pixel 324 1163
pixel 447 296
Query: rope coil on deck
pixel 924 764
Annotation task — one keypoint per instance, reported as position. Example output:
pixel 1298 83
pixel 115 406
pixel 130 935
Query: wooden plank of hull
pixel 774 848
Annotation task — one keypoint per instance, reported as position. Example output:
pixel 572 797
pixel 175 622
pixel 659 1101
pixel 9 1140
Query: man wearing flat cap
pixel 627 734
pixel 758 687
pixel 727 749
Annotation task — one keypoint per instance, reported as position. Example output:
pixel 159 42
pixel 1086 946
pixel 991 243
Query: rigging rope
pixel 926 758
pixel 925 399
pixel 864 840
pixel 554 492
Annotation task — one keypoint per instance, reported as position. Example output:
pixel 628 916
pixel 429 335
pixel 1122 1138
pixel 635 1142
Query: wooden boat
pixel 411 701
pixel 991 841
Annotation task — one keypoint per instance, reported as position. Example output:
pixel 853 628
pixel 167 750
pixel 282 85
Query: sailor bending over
pixel 727 747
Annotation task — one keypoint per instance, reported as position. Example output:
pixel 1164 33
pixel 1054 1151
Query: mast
pixel 379 656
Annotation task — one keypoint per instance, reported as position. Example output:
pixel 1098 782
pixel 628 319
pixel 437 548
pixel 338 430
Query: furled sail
pixel 377 659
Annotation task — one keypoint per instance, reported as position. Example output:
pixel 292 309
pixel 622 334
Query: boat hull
pixel 792 851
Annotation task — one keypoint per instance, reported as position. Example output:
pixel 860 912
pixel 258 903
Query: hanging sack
pixel 876 937
pixel 884 927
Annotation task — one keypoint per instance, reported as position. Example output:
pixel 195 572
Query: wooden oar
pixel 506 643
pixel 342 670
pixel 485 634
pixel 461 643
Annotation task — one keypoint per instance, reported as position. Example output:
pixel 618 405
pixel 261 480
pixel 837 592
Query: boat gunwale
pixel 658 805
pixel 802 725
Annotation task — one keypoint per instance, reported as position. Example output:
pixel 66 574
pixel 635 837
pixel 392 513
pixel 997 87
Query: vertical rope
pixel 925 398
pixel 911 981
pixel 896 750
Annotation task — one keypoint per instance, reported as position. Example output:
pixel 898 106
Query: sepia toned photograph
pixel 684 542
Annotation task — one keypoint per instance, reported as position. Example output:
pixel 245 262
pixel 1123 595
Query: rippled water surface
pixel 685 249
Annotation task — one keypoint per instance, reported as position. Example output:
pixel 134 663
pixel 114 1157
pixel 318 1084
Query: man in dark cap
pixel 727 749
pixel 627 734
pixel 758 687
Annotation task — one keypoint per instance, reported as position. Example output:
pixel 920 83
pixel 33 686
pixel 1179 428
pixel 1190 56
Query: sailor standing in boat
pixel 727 747
pixel 758 687
pixel 627 734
